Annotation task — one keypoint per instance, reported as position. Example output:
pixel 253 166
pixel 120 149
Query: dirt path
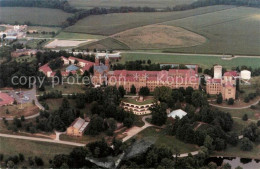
pixel 135 130
pixel 235 108
pixel 41 139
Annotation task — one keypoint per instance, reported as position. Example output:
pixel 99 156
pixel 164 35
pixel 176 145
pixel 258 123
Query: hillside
pixel 36 16
pixel 133 3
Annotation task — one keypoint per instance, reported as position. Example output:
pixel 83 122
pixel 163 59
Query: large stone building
pixel 226 84
pixel 174 78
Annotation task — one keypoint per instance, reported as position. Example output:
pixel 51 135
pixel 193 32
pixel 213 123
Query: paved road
pixel 191 54
pixel 235 108
pixel 41 139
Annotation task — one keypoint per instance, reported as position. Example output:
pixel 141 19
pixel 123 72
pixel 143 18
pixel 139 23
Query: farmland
pixel 107 43
pixel 133 3
pixel 36 16
pixel 204 61
pixel 68 35
pixel 114 23
pixel 232 31
pixel 159 36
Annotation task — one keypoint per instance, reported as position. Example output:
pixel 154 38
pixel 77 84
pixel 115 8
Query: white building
pixel 217 72
pixel 245 75
pixel 179 112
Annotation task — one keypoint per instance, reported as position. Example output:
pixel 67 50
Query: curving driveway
pixel 235 108
pixel 135 130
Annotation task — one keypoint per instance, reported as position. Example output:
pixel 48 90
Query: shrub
pixel 230 101
pixel 258 123
pixel 245 117
pixel 246 144
pixel 246 99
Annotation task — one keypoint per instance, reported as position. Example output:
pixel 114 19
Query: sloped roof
pixel 80 124
pixel 179 112
pixel 71 68
pixel 5 99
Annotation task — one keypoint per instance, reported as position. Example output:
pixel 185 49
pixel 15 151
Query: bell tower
pixel 96 60
pixel 107 61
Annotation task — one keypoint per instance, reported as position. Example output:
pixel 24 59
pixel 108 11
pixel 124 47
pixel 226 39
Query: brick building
pixel 226 84
pixel 174 78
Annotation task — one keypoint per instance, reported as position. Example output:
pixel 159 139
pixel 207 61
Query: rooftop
pixel 179 112
pixel 5 99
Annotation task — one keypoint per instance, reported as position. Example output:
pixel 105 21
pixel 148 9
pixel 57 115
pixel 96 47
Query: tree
pixel 159 115
pixel 149 61
pixel 251 131
pixel 121 91
pixel 162 93
pixel 21 157
pixel 133 89
pixel 198 99
pixel 1 157
pixel 10 164
pixel 230 101
pixel 38 161
pixel 128 122
pixel 7 111
pixel 144 91
pixel 246 99
pixel 208 143
pixel 246 144
pixel 58 77
pixel 219 98
pixel 95 126
pixel 245 117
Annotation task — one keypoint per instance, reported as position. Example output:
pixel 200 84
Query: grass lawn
pixel 205 61
pixel 15 110
pixel 11 147
pixel 133 101
pixel 84 139
pixel 236 152
pixel 36 43
pixel 37 16
pixel 25 58
pixel 107 43
pixel 231 31
pixel 54 104
pixel 66 88
pixel 131 3
pixel 114 23
pixel 40 29
pixel 163 139
pixel 70 35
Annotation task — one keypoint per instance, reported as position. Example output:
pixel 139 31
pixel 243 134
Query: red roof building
pixel 5 99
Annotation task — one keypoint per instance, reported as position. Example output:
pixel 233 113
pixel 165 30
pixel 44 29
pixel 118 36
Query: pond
pixel 245 163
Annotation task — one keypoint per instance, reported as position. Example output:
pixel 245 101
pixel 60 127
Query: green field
pixel 133 101
pixel 113 23
pixel 232 31
pixel 86 4
pixel 69 35
pixel 11 147
pixel 37 16
pixel 204 61
pixel 2 28
pixel 163 139
pixel 107 43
